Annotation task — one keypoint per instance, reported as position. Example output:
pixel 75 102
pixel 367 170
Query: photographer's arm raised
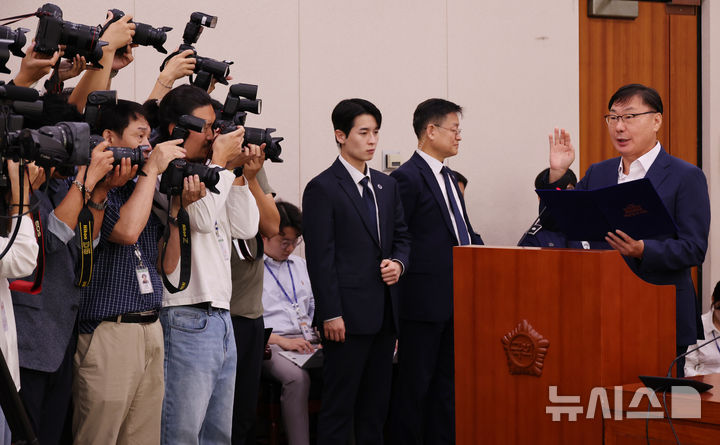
pixel 135 212
pixel 179 66
pixel 69 208
pixel 203 213
pixel 34 66
pixel 119 34
pixel 269 215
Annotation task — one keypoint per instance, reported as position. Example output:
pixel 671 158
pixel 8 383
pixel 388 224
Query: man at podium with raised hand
pixel 633 119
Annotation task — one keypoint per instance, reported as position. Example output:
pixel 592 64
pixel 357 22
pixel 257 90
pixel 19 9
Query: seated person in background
pixel 543 232
pixel 707 360
pixel 288 309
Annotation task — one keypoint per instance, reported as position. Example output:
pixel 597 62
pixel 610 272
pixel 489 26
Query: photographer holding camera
pixel 200 357
pixel 46 320
pixel 118 374
pixel 118 35
pixel 19 261
pixel 179 66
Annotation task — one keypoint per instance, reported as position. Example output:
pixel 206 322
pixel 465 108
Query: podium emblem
pixel 525 349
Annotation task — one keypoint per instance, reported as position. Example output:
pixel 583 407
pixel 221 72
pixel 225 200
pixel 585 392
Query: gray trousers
pixel 294 397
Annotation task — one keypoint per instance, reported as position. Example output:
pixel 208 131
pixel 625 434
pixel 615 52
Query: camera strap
pixel 183 223
pixel 35 286
pixel 86 224
pixel 83 268
pixel 17 18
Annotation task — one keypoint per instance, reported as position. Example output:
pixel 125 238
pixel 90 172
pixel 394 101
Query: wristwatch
pixel 97 206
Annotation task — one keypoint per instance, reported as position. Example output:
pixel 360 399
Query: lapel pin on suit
pixel 379 186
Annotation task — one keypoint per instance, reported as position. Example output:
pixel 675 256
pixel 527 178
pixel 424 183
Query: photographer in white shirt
pixel 18 262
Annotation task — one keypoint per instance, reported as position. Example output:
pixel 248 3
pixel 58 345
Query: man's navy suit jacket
pixel 343 252
pixel 426 292
pixel 683 189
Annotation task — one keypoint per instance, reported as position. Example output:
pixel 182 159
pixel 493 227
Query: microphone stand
pixel 664 383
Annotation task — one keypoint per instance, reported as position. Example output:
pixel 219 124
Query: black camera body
pixel 66 144
pixel 79 39
pixel 205 68
pixel 185 124
pixel 171 181
pixel 242 98
pixel 94 105
pixel 256 136
pixel 145 35
pixel 11 42
pixel 136 155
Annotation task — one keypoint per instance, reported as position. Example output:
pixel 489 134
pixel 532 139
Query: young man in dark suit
pixel 635 115
pixel 357 247
pixel 423 410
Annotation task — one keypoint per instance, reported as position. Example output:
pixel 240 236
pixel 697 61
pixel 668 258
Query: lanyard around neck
pixel 281 286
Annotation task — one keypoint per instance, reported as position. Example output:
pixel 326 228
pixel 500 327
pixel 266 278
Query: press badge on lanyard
pixel 222 242
pixel 305 328
pixel 142 274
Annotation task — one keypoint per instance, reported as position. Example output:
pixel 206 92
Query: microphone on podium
pixel 665 383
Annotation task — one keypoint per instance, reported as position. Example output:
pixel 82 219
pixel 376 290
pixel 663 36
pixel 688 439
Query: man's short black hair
pixel 569 178
pixel 345 112
pixel 290 216
pixel 460 178
pixel 432 111
pixel 117 117
pixel 648 95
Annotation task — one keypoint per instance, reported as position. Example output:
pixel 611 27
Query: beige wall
pixel 512 65
pixel 711 138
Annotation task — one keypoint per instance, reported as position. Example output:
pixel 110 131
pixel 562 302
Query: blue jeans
pixel 200 363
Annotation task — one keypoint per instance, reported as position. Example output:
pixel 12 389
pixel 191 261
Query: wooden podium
pixel 527 319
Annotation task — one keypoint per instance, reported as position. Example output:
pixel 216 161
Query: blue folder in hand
pixel 588 215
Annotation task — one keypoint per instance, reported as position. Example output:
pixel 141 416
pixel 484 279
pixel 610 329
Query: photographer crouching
pixel 200 351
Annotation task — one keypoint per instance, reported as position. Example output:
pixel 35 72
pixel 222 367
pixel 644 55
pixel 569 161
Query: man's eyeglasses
pixel 285 243
pixel 457 131
pixel 613 119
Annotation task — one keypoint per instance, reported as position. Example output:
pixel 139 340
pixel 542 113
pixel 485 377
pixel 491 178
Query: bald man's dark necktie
pixel 457 212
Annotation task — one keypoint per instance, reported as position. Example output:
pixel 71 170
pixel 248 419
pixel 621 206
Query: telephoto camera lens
pixel 146 35
pixel 64 144
pixel 17 38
